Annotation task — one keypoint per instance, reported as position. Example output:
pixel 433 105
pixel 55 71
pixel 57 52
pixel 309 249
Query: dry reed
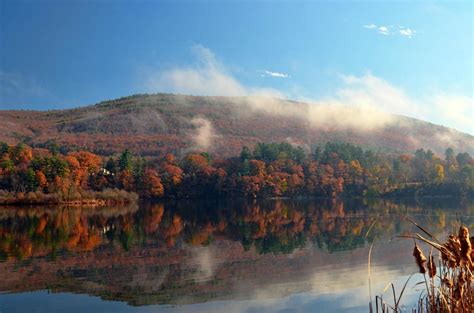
pixel 449 286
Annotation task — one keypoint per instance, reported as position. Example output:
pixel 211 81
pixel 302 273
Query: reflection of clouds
pixel 334 290
pixel 351 286
pixel 301 303
pixel 150 281
pixel 330 281
pixel 203 258
pixel 335 282
pixel 351 300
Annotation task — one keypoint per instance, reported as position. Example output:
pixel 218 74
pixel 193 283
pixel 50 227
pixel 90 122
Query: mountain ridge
pixel 154 124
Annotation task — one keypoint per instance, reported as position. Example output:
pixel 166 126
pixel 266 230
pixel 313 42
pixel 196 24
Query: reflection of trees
pixel 270 226
pixel 43 231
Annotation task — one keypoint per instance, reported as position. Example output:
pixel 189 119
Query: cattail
pixel 469 277
pixel 447 282
pixel 420 259
pixel 459 291
pixel 431 266
pixel 454 247
pixel 471 239
pixel 466 247
pixel 445 254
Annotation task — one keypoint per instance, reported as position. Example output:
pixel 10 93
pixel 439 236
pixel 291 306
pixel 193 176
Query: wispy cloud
pixel 391 30
pixel 207 77
pixel 374 94
pixel 17 89
pixel 383 30
pixel 14 83
pixel 407 32
pixel 204 133
pixel 370 26
pixel 456 110
pixel 372 91
pixel 363 102
pixel 268 73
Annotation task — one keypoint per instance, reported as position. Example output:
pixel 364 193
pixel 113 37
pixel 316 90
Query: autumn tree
pixel 152 186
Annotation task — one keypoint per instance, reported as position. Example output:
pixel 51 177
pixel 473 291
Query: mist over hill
pixel 161 123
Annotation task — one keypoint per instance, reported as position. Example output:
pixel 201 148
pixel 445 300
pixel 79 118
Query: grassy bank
pixel 94 198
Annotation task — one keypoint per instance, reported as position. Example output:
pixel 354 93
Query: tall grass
pixel 106 196
pixel 447 277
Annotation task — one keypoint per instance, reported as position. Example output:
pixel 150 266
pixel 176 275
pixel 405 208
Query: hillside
pixel 156 124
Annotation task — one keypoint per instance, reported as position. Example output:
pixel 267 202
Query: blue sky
pixel 410 58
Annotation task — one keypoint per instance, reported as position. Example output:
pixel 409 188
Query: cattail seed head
pixel 420 259
pixel 471 239
pixel 462 278
pixel 459 291
pixel 454 247
pixel 465 244
pixel 431 266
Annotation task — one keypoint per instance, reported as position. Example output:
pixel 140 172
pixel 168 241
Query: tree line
pixel 39 175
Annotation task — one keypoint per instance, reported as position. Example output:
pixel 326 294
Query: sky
pixel 402 57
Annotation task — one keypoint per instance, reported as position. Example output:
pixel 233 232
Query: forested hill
pixel 161 123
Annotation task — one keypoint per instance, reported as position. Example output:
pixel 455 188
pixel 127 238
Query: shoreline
pixel 98 202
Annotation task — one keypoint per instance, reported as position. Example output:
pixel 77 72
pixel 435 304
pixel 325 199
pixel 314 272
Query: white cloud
pixel 367 102
pixel 207 77
pixel 383 30
pixel 204 134
pixel 391 30
pixel 407 32
pixel 362 102
pixel 456 110
pixel 369 90
pixel 267 73
pixel 374 93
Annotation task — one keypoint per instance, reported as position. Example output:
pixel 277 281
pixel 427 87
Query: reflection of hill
pixel 193 252
pixel 147 276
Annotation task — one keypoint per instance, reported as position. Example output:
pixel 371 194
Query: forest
pixel 49 175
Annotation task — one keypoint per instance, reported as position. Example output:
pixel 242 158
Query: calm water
pixel 213 256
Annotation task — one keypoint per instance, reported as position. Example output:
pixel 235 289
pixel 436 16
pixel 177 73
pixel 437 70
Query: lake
pixel 215 256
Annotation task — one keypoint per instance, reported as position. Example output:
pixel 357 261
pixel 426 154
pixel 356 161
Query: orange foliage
pixel 87 160
pixel 41 225
pixel 257 168
pixel 152 184
pixel 42 181
pixel 153 218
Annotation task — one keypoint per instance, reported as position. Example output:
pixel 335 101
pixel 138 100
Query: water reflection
pixel 261 253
